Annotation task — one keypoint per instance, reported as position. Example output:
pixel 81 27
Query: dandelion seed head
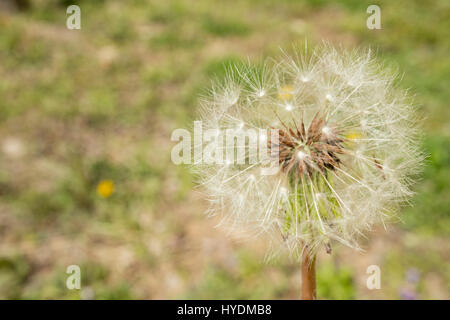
pixel 337 168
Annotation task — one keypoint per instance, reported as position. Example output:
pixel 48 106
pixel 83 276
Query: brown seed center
pixel 306 151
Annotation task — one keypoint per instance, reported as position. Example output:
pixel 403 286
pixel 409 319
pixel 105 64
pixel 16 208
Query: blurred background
pixel 85 171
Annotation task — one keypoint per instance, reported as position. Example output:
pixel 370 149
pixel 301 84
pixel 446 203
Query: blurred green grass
pixel 80 106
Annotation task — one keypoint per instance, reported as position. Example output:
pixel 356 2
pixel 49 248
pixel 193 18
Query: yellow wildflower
pixel 105 188
pixel 286 93
pixel 351 136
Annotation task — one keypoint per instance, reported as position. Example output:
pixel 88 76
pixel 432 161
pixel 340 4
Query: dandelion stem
pixel 308 275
